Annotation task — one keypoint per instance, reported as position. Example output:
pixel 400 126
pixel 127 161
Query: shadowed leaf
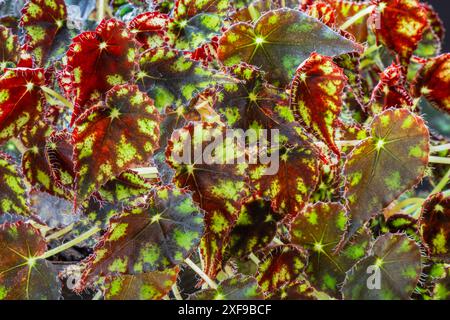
pixel 13 194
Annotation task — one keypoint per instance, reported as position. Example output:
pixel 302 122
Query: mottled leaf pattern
pixel 13 195
pixel 319 229
pixel 153 237
pixel 383 166
pixel 433 81
pixel 281 266
pixel 42 20
pixel 316 96
pixel 280 41
pixel 399 25
pixel 98 60
pixel 114 136
pixel 219 188
pixel 22 276
pixel 9 49
pixel 145 286
pixel 435 226
pixel 150 29
pixel 398 261
pixel 172 79
pixel 21 100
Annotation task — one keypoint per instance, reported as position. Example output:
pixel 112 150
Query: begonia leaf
pixel 380 168
pixel 394 261
pixel 22 275
pixel 280 41
pixel 114 136
pixel 434 224
pixel 13 194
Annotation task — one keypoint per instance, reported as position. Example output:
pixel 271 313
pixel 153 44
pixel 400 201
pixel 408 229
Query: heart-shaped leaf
pixel 153 237
pixel 390 272
pixel 383 166
pixel 114 136
pixel 165 73
pixel 279 42
pixel 435 226
pixel 316 96
pixel 281 266
pixel 433 82
pixel 239 287
pixel 145 286
pixel 13 194
pixel 319 229
pixel 43 21
pixel 98 60
pixel 21 100
pixel 22 275
pixel 399 25
pixel 218 186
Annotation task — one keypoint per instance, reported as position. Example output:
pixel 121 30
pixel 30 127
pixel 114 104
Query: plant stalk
pixel 357 16
pixel 58 97
pixel 202 275
pixel 441 160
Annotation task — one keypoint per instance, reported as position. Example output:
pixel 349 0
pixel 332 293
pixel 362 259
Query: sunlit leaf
pixel 397 261
pixel 145 286
pixel 239 287
pixel 22 276
pixel 435 226
pixel 21 100
pixel 316 96
pixel 153 237
pixel 280 41
pixel 99 60
pixel 114 136
pixel 379 169
pixel 399 25
pixel 433 82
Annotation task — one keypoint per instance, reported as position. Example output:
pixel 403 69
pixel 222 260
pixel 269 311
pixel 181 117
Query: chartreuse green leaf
pixel 158 235
pixel 281 266
pixel 145 286
pixel 218 183
pixel 22 275
pixel 379 169
pixel 319 229
pixel 112 137
pixel 390 272
pixel 434 224
pixel 196 22
pixel 9 49
pixel 21 100
pixel 171 79
pixel 279 42
pixel 238 287
pixel 13 193
pixel 441 289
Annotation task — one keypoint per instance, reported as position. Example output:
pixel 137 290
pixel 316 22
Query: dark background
pixel 443 9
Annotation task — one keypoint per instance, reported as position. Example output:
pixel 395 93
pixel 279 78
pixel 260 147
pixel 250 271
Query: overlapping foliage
pixel 99 113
